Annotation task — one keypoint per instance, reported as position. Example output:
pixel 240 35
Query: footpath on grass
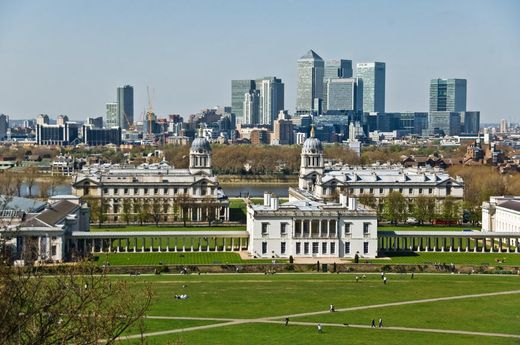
pixel 280 319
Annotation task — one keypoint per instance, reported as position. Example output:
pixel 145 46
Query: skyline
pixel 70 58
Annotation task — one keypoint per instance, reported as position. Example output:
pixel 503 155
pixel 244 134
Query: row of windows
pixel 326 248
pixel 149 191
pixel 390 190
pixel 312 227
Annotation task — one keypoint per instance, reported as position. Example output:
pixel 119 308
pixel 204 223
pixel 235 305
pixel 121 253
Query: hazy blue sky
pixel 69 56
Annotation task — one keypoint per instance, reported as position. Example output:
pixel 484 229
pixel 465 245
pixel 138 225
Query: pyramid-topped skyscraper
pixel 310 83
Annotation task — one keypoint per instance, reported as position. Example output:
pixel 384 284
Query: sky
pixel 69 56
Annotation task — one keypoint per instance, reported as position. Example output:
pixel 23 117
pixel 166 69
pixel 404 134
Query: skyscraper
pixel 448 95
pixel 271 99
pixel 4 126
pixel 372 84
pixel 125 106
pixel 310 82
pixel 335 69
pixel 112 115
pixel 238 90
pixel 341 94
pixel 251 108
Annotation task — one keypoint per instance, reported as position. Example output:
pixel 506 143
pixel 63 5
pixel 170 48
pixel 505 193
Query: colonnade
pixel 313 228
pixel 438 243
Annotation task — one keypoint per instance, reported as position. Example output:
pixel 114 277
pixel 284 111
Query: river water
pixel 231 190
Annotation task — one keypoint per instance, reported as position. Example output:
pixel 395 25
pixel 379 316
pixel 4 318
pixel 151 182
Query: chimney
pixel 274 203
pixel 267 199
pixel 352 204
pixel 343 200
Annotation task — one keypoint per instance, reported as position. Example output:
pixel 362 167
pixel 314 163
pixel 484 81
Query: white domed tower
pixel 311 167
pixel 200 155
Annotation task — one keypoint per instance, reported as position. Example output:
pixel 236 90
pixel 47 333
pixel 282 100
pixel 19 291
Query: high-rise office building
pixel 448 95
pixel 112 115
pixel 125 106
pixel 310 83
pixel 470 122
pixel 42 119
pixel 283 130
pixel 95 122
pixel 4 126
pixel 238 90
pixel 372 84
pixel 444 123
pixel 93 136
pixel 251 110
pixel 504 127
pixel 335 69
pixel 341 94
pixel 271 99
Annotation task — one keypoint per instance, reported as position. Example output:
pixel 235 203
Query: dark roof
pixel 311 54
pixel 511 204
pixel 52 215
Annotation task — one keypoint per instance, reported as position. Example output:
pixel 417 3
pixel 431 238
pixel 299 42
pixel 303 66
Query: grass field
pixel 456 258
pixel 247 297
pixel 168 228
pixel 152 259
pixel 426 228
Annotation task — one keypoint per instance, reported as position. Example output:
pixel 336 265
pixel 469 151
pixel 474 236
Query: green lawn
pixel 425 228
pixel 152 259
pixel 456 258
pixel 168 228
pixel 154 325
pixel 256 295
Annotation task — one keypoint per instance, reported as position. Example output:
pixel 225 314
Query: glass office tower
pixel 372 75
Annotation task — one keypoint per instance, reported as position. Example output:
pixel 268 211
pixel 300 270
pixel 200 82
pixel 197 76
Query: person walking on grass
pixel 384 280
pixel 287 321
pixel 380 322
pixel 373 323
pixel 320 330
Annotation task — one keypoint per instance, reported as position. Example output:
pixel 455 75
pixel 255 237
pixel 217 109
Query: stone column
pixel 240 243
pixel 183 244
pixel 500 244
pixel 232 243
pixel 475 244
pixel 224 244
pixel 492 246
pixel 516 245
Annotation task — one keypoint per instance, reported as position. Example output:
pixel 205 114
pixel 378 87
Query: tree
pixel 450 210
pixel 76 305
pixel 420 211
pixel 143 211
pixel 43 186
pixel 30 174
pixel 368 199
pixel 97 210
pixel 127 210
pixel 17 182
pixel 184 201
pixel 156 210
pixel 394 209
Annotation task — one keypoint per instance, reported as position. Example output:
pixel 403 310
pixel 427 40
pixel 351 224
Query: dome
pixel 200 145
pixel 312 144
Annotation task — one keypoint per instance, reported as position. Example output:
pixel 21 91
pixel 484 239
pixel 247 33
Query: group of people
pixel 379 324
pixel 184 296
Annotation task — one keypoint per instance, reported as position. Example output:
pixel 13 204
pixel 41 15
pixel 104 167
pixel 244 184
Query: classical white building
pixel 171 194
pixel 379 181
pixel 307 225
pixel 501 214
pixel 43 235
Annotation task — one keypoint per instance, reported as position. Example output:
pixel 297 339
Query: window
pixel 400 190
pixel 105 190
pixel 264 247
pixel 371 190
pixel 156 191
pixel 420 190
pixel 365 247
pixel 298 247
pixel 283 229
pixel 125 191
pixel 282 248
pixel 380 190
pixel 315 247
pixel 165 191
pixel 265 229
pixel 410 190
pixel 347 247
pixel 298 228
pixel 116 190
pixel 306 248
pixel 430 190
pixel 324 247
pixel 366 228
pixel 333 248
pixel 136 191
pixel 361 190
pixel 53 250
pixel 347 229
pixel 174 190
pixel 146 191
pixel 391 190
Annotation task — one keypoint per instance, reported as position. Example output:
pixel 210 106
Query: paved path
pixel 427 300
pixel 276 319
